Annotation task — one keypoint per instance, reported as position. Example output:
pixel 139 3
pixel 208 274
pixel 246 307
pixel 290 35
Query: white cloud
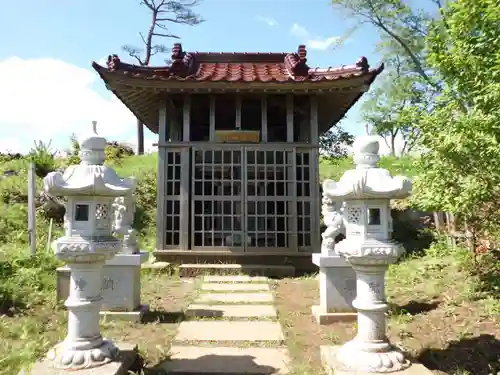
pixel 299 31
pixel 314 42
pixel 268 21
pixel 48 99
pixel 325 44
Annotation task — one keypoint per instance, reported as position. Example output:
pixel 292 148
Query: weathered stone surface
pixel 332 367
pixel 232 311
pixel 128 356
pixel 235 279
pixel 121 285
pixel 325 318
pixel 235 287
pixel 235 297
pixel 224 360
pixel 229 331
pixel 128 316
pixel 337 283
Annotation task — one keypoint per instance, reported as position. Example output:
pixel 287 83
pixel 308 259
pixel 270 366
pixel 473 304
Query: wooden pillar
pixel 263 111
pixel 185 200
pixel 162 169
pixel 289 118
pixel 140 137
pixel 315 184
pixel 212 118
pixel 238 112
pixel 292 184
pixel 186 118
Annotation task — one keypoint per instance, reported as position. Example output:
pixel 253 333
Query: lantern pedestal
pixel 333 367
pixel 337 286
pixel 121 287
pixel 124 361
pixel 370 350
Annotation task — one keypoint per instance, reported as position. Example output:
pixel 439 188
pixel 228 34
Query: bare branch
pixel 167 35
pixel 134 52
pixel 143 39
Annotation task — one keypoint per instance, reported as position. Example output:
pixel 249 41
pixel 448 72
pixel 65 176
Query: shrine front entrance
pixel 240 198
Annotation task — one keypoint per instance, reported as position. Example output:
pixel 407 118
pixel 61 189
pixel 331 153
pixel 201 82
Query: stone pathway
pixel 232 328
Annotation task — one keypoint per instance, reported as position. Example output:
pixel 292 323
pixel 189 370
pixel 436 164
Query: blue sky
pixel 48 89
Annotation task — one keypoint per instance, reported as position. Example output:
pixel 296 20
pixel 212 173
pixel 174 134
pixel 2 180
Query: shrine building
pixel 238 148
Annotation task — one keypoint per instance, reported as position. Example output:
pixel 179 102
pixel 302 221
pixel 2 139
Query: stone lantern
pixel 366 192
pixel 86 245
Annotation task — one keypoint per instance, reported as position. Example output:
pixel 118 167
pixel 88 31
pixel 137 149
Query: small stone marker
pixel 235 297
pixel 235 287
pixel 231 311
pixel 222 360
pixel 229 331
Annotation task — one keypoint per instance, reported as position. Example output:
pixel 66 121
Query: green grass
pixel 334 169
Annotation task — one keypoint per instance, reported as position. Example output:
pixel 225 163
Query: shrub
pixel 43 158
pixel 116 152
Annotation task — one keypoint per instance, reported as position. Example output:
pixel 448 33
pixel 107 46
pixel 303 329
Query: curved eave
pixel 104 190
pixel 145 77
pixel 143 96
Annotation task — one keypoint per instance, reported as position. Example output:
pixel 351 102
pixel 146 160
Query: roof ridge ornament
pixel 363 63
pixel 296 63
pixel 113 62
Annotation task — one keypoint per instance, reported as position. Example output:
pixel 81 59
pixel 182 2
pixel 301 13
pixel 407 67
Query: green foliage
pixel 333 143
pixel 403 30
pixel 73 157
pixel 43 158
pixel 393 109
pixel 116 152
pixel 460 171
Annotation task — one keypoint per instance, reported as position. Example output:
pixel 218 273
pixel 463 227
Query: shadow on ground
pixel 9 306
pixel 213 364
pixel 163 317
pixel 414 307
pixel 478 355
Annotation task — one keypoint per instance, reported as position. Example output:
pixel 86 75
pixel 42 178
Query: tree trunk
pixel 140 138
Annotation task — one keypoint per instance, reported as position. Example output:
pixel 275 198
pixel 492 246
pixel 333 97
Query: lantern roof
pixel 91 177
pixel 367 180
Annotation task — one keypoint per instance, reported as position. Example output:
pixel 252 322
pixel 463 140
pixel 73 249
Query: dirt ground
pixel 447 338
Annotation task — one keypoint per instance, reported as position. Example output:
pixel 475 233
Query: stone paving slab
pixel 231 311
pixel 235 287
pixel 229 331
pixel 235 297
pixel 235 279
pixel 224 360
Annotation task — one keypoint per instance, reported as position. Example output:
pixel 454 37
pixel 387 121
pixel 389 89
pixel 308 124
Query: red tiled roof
pixel 239 67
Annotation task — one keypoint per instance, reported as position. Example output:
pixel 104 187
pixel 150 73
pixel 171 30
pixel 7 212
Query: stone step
pixel 230 311
pixel 235 287
pixel 235 279
pixel 226 360
pixel 196 269
pixel 236 298
pixel 229 331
